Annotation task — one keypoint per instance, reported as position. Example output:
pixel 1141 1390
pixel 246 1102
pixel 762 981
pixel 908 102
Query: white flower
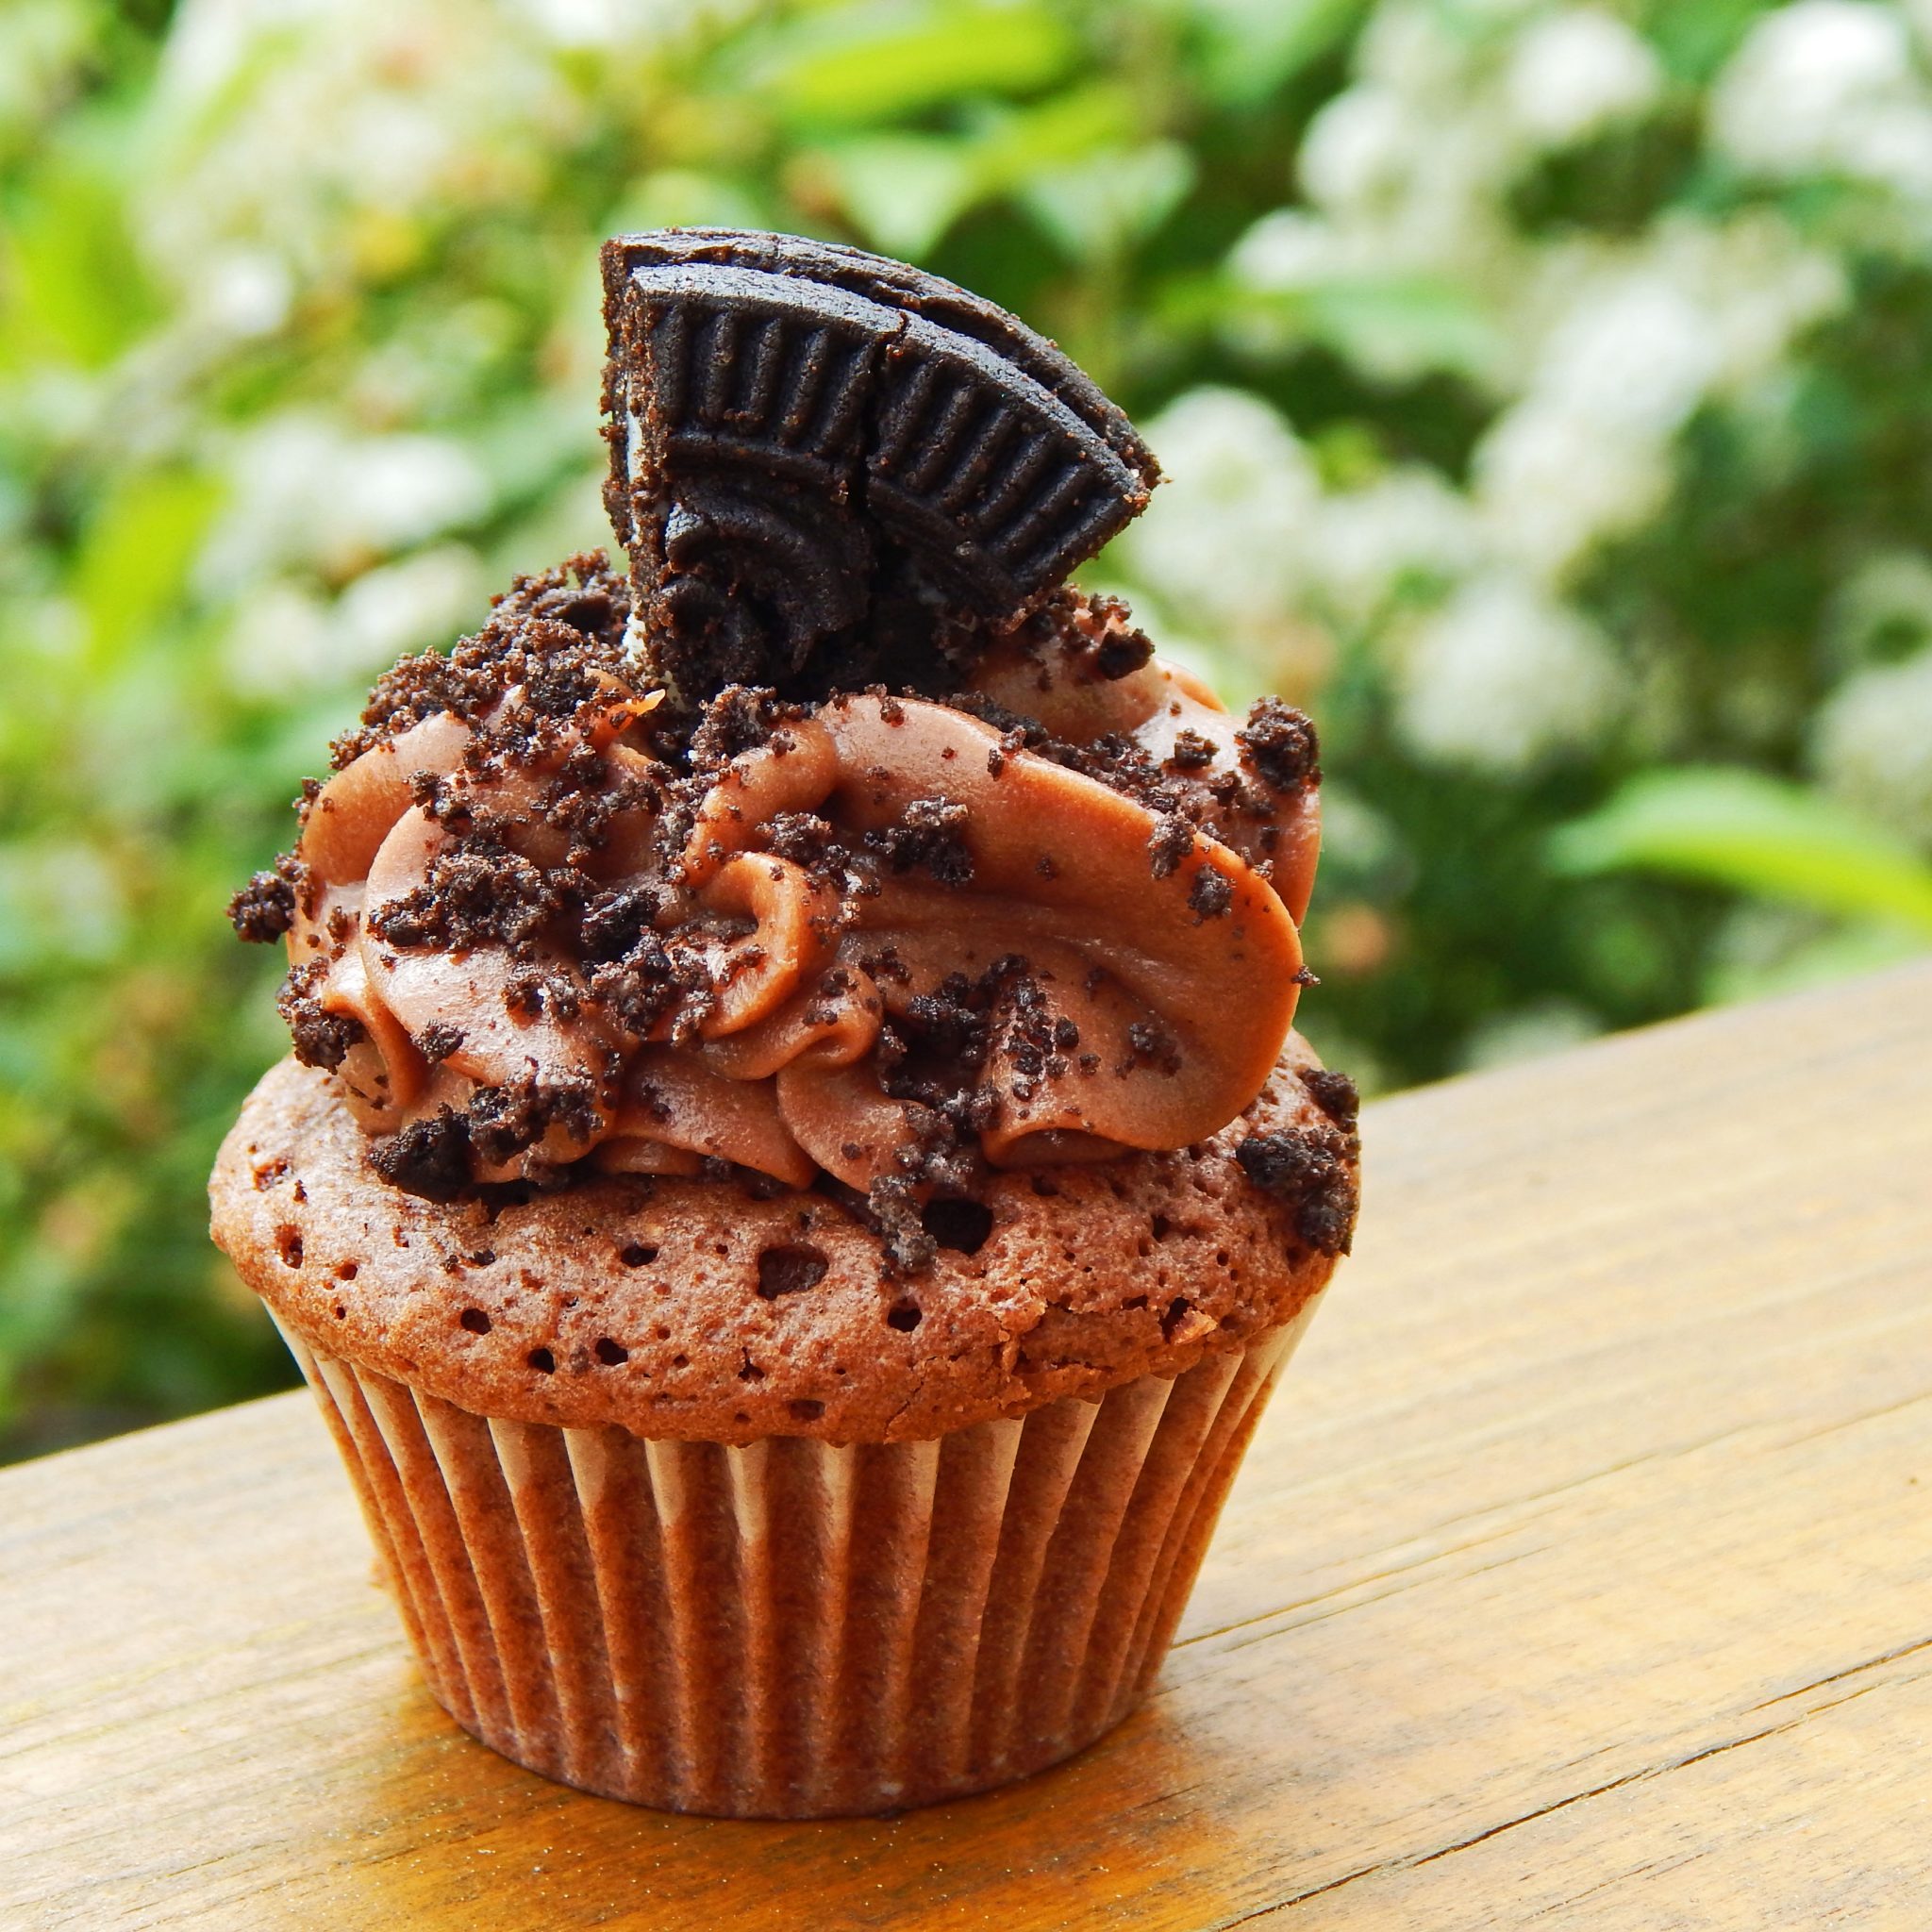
pixel 1756 284
pixel 1551 484
pixel 1358 152
pixel 1577 71
pixel 1288 249
pixel 1407 525
pixel 1222 539
pixel 304 490
pixel 1502 678
pixel 1633 349
pixel 278 641
pixel 1638 352
pixel 246 291
pixel 284 637
pixel 420 601
pixel 323 129
pixel 1826 86
pixel 1871 743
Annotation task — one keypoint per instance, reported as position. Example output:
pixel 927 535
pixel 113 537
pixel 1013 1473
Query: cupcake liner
pixel 795 1629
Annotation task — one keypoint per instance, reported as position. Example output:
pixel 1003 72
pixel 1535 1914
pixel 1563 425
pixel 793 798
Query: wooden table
pixel 1581 1576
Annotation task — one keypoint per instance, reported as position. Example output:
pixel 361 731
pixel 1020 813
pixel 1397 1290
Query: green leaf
pixel 903 191
pixel 1106 203
pixel 1251 46
pixel 1394 326
pixel 134 562
pixel 71 288
pixel 1752 834
pixel 875 63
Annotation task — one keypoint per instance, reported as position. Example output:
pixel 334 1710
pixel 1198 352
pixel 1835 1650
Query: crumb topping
pixel 1312 1170
pixel 537 923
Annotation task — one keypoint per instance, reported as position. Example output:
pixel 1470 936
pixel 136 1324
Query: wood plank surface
pixel 1581 1576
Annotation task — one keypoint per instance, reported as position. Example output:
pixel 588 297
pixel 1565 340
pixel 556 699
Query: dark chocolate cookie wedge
pixel 830 468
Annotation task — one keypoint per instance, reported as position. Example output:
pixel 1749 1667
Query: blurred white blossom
pixel 1871 743
pixel 422 601
pixel 245 292
pixel 287 636
pixel 356 118
pixel 1827 86
pixel 1551 483
pixel 1288 249
pixel 1577 71
pixel 1408 526
pixel 1359 151
pixel 303 489
pixel 1221 541
pixel 1501 678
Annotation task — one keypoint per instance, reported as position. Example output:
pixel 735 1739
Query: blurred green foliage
pixel 1546 390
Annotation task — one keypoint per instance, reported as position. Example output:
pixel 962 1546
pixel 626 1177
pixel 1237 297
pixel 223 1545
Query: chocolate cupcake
pixel 796 1177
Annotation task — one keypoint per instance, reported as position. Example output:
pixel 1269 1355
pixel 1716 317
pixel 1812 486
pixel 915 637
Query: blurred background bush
pixel 1546 391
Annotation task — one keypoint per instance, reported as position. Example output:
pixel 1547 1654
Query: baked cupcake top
pixel 710 1308
pixel 841 846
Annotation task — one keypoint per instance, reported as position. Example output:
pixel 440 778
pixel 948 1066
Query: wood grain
pixel 1581 1576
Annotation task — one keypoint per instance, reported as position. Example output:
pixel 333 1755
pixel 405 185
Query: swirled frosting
pixel 889 939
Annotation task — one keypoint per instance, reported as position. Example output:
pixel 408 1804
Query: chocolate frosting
pixel 887 940
pixel 840 845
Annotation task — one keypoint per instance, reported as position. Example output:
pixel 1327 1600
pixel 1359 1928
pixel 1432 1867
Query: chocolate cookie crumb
pixel 1171 840
pixel 1335 1094
pixel 265 907
pixel 1280 745
pixel 437 1041
pixel 320 1039
pixel 927 838
pixel 430 1156
pixel 1309 1170
pixel 1211 895
pixel 1192 751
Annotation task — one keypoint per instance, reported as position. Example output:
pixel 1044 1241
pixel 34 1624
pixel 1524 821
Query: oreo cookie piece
pixel 830 468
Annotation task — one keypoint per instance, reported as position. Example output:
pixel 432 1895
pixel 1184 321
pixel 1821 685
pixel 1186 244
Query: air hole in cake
pixel 476 1321
pixel 1135 1301
pixel 662 1333
pixel 289 1246
pixel 341 1314
pixel 1162 1227
pixel 613 1355
pixel 1177 1312
pixel 680 1361
pixel 805 1409
pixel 961 1225
pixel 347 1271
pixel 1221 1258
pixel 750 1372
pixel 637 1255
pixel 904 1316
pixel 790 1270
pixel 543 1362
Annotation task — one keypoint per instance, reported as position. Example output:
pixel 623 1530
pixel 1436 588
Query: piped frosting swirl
pixel 534 922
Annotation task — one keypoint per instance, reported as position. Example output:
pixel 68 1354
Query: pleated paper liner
pixel 793 1629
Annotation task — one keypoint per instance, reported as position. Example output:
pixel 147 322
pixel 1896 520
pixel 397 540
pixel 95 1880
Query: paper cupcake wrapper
pixel 793 1628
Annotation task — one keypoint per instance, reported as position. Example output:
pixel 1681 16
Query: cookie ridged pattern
pixel 793 1628
pixel 813 449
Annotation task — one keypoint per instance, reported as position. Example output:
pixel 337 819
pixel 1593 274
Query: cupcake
pixel 796 1177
